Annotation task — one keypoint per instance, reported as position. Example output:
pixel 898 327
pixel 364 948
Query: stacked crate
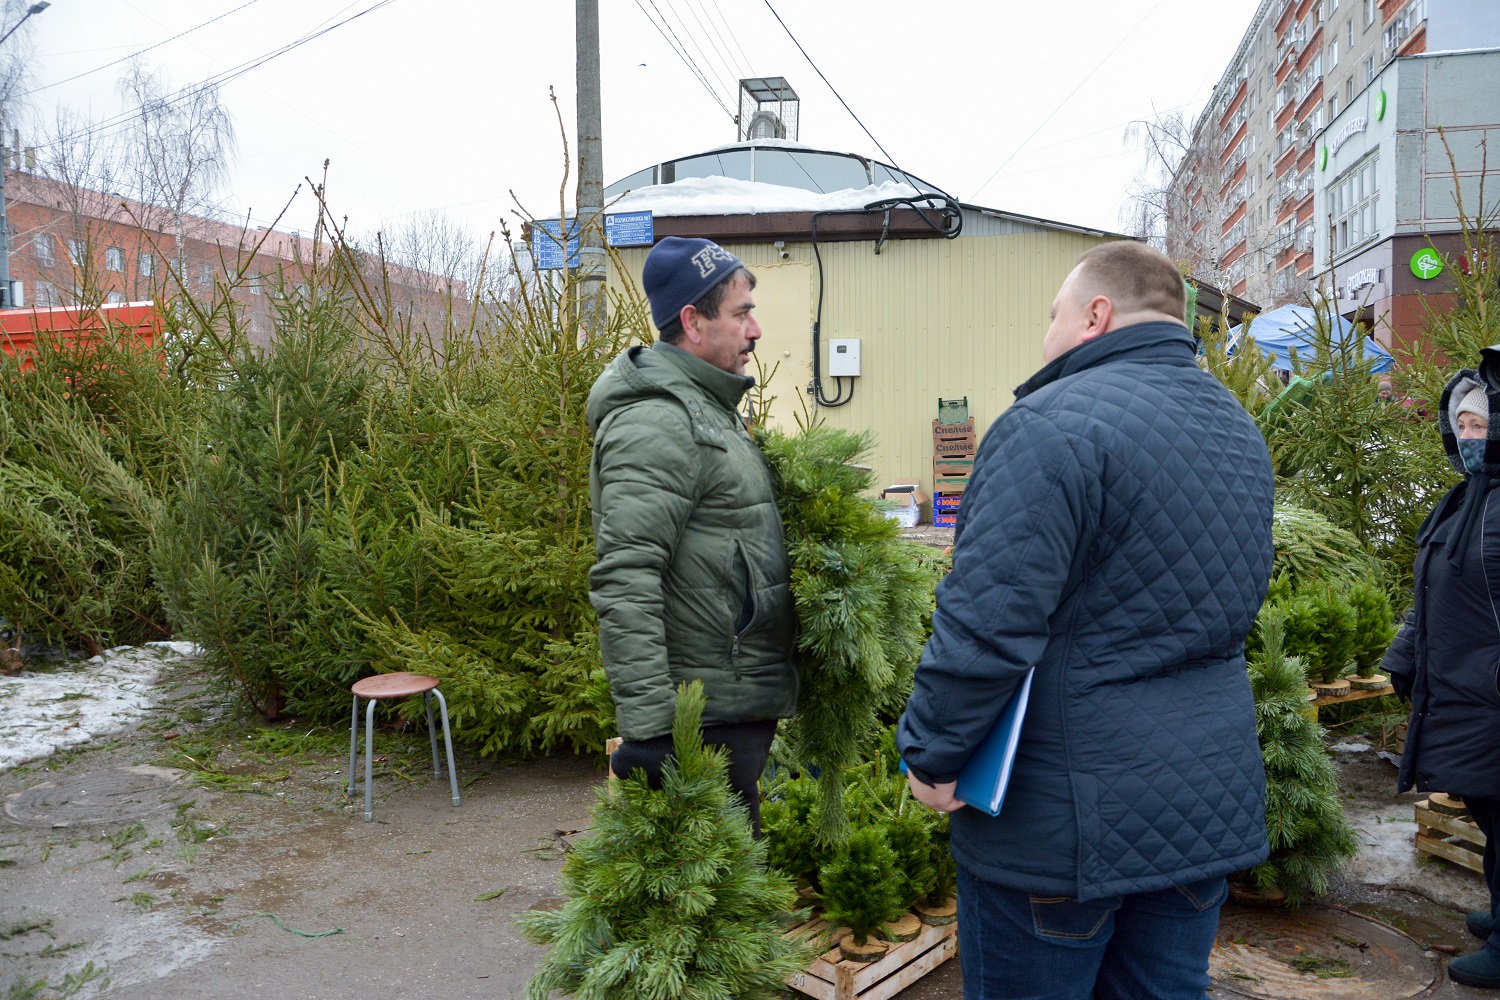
pixel 953 446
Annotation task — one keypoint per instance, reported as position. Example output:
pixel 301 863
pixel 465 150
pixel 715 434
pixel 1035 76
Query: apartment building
pixel 1395 167
pixel 65 238
pixel 1242 211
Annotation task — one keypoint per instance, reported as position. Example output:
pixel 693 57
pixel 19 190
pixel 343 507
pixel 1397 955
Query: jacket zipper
pixel 734 647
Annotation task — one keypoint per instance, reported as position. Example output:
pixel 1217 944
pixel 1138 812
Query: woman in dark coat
pixel 1446 657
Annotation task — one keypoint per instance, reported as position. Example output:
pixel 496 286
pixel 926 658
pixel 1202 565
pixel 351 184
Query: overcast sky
pixel 424 106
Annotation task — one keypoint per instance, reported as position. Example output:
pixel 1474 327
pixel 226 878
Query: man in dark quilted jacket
pixel 692 580
pixel 1116 536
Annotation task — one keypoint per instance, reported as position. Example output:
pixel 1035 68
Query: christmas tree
pixel 670 896
pixel 862 593
pixel 1304 820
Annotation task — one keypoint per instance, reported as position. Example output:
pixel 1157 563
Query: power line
pixel 749 67
pixel 137 52
pixel 1088 76
pixel 683 55
pixel 690 36
pixel 831 87
pixel 719 49
pixel 217 79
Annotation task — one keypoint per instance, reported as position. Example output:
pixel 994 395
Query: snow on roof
pixel 730 196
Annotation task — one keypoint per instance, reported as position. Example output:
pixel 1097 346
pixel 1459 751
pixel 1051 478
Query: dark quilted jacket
pixel 1116 536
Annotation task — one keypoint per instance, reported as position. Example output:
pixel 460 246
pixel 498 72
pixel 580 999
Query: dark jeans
pixel 748 743
pixel 1145 946
pixel 1486 813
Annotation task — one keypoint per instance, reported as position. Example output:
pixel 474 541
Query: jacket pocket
pixel 743 579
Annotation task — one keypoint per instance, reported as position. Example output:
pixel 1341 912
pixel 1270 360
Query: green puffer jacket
pixel 692 580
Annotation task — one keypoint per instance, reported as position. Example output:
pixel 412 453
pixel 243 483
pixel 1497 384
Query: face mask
pixel 1471 450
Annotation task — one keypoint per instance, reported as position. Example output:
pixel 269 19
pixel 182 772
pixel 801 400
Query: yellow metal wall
pixel 934 318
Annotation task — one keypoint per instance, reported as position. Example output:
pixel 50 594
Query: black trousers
pixel 1486 813
pixel 748 743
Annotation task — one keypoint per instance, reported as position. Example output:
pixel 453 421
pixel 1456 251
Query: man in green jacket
pixel 692 581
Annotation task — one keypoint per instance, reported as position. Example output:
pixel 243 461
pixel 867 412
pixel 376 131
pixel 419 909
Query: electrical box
pixel 843 358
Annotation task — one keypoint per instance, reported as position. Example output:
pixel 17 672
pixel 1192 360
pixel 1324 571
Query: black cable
pixel 951 210
pixel 682 53
pixel 218 79
pixel 137 52
pixel 814 65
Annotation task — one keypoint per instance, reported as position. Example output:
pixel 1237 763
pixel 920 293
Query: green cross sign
pixel 1426 263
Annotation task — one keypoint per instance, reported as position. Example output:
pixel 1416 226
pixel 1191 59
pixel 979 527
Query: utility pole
pixel 7 300
pixel 590 211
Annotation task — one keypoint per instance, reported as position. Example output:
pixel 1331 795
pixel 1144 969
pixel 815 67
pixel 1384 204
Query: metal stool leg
pixel 353 742
pixel 369 757
pixel 448 742
pixel 437 768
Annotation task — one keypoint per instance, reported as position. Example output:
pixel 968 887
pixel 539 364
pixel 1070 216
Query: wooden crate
pixel 1442 834
pixel 832 977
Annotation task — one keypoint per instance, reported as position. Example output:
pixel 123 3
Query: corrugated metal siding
pixel 936 318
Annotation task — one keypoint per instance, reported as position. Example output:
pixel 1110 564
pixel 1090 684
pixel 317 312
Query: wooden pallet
pixel 1443 832
pixel 830 976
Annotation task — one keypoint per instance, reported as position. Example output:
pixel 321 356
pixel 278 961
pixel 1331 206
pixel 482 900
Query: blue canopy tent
pixel 1291 326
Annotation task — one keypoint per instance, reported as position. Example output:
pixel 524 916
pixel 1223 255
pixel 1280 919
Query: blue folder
pixel 983 779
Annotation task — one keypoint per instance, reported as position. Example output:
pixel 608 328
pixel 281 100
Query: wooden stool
pixel 385 687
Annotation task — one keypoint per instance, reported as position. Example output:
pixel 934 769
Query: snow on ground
pixel 43 712
pixel 731 196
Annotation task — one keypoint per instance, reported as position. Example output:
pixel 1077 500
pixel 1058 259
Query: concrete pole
pixel 591 253
pixel 5 296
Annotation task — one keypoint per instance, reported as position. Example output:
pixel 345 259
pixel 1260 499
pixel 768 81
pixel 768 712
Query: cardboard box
pixel 941 520
pixel 946 504
pixel 905 500
pixel 943 466
pixel 950 432
pixel 950 484
pixel 954 448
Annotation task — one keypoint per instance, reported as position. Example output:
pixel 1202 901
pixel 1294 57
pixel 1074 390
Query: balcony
pixel 1404 25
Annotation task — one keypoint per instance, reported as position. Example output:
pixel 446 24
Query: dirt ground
pixel 248 872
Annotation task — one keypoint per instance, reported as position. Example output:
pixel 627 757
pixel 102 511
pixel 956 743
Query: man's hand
pixel 939 797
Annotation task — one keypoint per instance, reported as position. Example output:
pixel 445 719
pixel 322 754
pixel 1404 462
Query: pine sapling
pixel 670 897
pixel 862 886
pixel 1304 820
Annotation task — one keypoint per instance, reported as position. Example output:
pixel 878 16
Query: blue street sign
pixel 625 229
pixel 629 229
pixel 547 244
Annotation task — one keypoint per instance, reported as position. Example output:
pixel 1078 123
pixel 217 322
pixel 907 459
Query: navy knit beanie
pixel 680 271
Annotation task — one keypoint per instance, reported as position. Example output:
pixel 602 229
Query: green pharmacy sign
pixel 1380 106
pixel 1426 263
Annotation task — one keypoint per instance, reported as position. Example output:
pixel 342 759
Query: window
pixel 1333 107
pixel 115 298
pixel 252 284
pixel 1348 91
pixel 147 265
pixel 1369 71
pixel 205 274
pixel 78 252
pixel 114 259
pixel 46 294
pixel 44 248
pixel 1352 199
pixel 1369 12
pixel 1350 44
pixel 1333 54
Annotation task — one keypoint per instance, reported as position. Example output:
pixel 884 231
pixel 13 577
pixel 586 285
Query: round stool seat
pixel 383 686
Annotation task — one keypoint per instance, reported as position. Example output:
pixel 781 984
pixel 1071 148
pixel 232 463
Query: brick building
pixel 65 238
pixel 1242 211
